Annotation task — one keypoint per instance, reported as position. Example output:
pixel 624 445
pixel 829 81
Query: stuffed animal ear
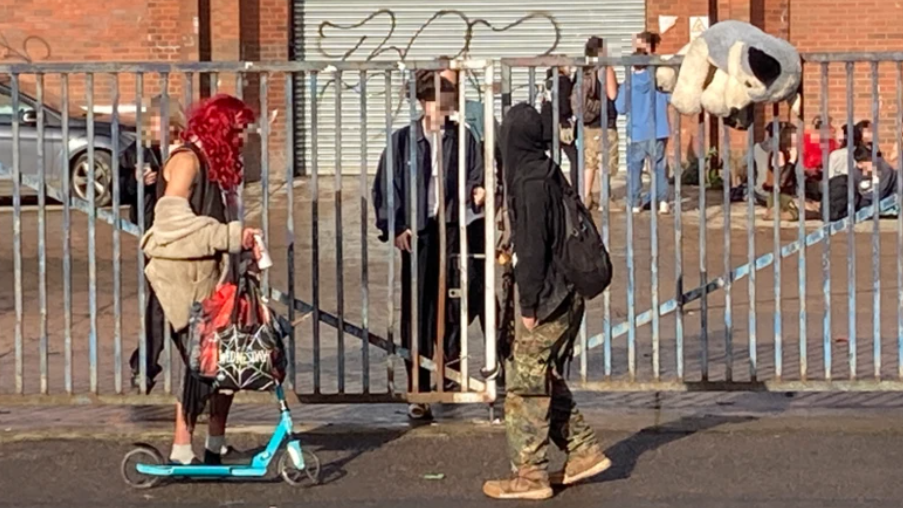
pixel 764 66
pixel 740 119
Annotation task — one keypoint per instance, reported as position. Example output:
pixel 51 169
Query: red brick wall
pixel 112 30
pixel 264 28
pixel 672 41
pixel 770 15
pixel 843 26
pixel 152 30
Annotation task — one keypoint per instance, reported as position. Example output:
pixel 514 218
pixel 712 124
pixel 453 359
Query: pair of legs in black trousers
pixel 426 297
pixel 154 324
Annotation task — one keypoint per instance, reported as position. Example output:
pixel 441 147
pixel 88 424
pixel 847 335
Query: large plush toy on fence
pixel 729 68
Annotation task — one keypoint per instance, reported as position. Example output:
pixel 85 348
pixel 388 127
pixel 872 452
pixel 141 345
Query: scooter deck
pixel 205 471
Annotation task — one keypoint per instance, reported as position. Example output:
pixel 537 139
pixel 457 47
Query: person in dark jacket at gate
pixel 129 175
pixel 432 130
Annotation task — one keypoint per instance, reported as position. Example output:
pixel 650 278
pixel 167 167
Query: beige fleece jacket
pixel 187 256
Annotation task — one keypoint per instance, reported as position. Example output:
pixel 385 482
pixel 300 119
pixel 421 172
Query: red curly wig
pixel 218 125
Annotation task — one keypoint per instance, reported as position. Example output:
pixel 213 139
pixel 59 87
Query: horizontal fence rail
pixel 712 289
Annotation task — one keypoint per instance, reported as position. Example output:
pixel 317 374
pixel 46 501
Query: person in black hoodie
pixel 129 175
pixel 433 126
pixel 539 407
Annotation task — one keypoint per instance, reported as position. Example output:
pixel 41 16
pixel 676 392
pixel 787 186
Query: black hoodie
pixel 536 216
pixel 128 182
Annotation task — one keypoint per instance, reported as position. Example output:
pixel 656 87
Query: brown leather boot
pixel 581 466
pixel 526 484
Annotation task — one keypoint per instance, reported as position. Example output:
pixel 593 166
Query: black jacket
pixel 400 176
pixel 128 183
pixel 537 217
pixel 565 89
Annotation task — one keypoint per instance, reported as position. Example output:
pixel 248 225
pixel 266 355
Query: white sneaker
pixel 419 412
pixel 664 208
pixel 637 209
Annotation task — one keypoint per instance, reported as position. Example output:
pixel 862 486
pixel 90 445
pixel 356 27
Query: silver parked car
pixel 54 165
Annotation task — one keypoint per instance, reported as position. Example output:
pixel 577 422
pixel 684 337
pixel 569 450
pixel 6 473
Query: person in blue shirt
pixel 648 129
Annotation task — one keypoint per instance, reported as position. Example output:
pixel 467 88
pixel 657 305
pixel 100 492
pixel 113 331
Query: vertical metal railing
pixel 42 237
pixel 703 161
pixel 827 335
pixel 365 254
pixel 142 284
pixel 851 238
pixel 117 249
pixel 315 229
pixel 463 252
pixel 778 174
pixel 339 238
pixel 292 374
pixel 17 236
pixel 115 286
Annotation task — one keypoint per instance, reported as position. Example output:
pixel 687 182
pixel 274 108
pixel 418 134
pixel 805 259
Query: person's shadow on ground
pixel 330 444
pixel 625 454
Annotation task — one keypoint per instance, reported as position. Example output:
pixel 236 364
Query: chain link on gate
pixel 79 294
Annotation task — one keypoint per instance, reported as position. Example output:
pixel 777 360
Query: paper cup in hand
pixel 265 261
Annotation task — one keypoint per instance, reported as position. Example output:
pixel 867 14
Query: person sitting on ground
pixel 812 146
pixel 782 173
pixel 863 183
pixel 838 161
pixel 866 136
pixel 762 153
pixel 868 169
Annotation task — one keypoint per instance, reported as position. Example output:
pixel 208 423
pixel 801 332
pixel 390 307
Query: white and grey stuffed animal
pixel 729 68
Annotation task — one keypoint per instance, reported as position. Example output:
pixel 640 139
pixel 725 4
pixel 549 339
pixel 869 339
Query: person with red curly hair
pixel 195 236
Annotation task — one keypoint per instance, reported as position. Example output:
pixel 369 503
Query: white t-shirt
pixel 432 200
pixel 838 164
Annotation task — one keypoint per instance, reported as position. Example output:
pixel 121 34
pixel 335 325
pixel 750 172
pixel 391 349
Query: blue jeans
pixel 636 159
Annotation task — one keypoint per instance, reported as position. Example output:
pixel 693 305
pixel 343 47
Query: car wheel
pixel 103 177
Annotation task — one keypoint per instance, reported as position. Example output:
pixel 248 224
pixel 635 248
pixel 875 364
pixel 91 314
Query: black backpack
pixel 580 254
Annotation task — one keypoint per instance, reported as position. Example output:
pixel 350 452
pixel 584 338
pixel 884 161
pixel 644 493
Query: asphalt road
pixel 717 467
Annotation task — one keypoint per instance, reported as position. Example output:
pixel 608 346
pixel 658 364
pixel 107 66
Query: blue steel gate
pixel 65 343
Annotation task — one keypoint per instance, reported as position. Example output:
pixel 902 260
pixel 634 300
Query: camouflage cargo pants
pixel 539 407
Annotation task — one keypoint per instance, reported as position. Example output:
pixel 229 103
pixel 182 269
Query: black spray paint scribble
pixel 384 46
pixel 402 52
pixel 31 49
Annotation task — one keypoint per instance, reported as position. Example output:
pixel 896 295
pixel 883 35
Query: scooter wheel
pixel 309 475
pixel 129 469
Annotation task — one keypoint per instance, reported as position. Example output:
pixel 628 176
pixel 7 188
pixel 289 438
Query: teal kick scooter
pixel 144 466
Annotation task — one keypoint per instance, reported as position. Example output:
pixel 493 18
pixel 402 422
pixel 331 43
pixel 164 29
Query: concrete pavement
pixel 706 461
